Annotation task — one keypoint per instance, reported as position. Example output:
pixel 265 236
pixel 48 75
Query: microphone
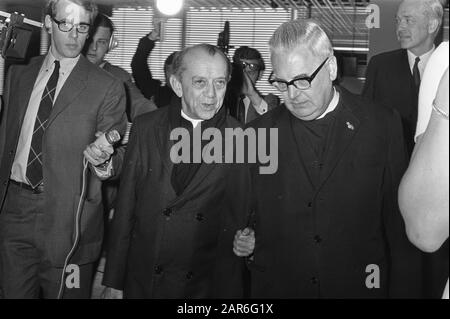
pixel 107 139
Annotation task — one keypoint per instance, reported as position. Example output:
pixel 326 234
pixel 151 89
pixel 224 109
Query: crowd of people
pixel 357 207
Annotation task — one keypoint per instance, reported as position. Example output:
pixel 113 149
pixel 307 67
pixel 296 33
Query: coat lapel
pixel 343 131
pixel 73 87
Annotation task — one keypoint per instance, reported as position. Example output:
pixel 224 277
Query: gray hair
pixel 301 32
pixel 88 5
pixel 433 9
pixel 178 63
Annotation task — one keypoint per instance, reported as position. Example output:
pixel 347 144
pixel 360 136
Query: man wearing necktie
pixel 393 78
pixel 54 106
pixel 245 101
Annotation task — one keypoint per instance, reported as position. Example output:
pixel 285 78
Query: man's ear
pixel 48 23
pixel 332 68
pixel 433 26
pixel 176 85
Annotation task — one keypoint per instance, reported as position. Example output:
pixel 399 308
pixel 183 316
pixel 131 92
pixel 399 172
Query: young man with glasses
pixel 54 106
pixel 326 224
pixel 243 99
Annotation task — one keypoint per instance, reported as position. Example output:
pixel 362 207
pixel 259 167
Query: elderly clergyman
pixel 172 232
pixel 327 224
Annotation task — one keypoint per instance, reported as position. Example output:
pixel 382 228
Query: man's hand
pixel 249 90
pixel 244 242
pixel 155 35
pixel 97 156
pixel 111 293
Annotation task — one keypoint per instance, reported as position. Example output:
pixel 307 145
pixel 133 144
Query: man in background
pixel 243 99
pixel 393 78
pixel 100 44
pixel 152 88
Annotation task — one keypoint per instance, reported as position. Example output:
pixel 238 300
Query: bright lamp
pixel 169 7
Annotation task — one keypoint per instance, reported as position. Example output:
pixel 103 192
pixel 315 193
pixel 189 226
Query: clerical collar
pixel 193 121
pixel 332 106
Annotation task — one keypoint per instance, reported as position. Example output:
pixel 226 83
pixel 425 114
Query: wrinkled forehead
pixel 71 12
pixel 201 63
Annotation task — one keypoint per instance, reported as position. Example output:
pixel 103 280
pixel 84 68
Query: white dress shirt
pixel 19 167
pixel 422 63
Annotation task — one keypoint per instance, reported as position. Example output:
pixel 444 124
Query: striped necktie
pixel 34 166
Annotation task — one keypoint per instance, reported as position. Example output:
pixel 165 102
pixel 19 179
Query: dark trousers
pixel 25 273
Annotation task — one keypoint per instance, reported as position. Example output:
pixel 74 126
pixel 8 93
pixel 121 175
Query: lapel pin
pixel 350 126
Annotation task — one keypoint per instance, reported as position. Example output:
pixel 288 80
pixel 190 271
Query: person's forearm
pixel 424 191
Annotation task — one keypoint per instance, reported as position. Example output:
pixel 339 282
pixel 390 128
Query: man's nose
pixel 211 90
pixel 73 33
pixel 293 92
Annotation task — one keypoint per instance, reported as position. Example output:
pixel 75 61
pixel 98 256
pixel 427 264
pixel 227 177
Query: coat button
pixel 158 270
pixel 314 280
pixel 318 239
pixel 310 204
pixel 167 212
pixel 189 275
pixel 11 152
pixel 199 217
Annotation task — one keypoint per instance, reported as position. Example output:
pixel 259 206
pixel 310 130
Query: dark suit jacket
pixel 90 101
pixel 389 82
pixel 317 242
pixel 168 246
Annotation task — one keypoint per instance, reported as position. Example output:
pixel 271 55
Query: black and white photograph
pixel 224 157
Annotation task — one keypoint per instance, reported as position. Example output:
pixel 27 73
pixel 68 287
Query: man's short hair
pixel 433 9
pixel 178 63
pixel 248 53
pixel 301 32
pixel 104 21
pixel 88 5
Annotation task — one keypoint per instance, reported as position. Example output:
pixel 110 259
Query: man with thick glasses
pixel 54 106
pixel 243 99
pixel 327 224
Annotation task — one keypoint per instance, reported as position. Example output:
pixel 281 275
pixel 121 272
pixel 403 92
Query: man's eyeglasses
pixel 67 26
pixel 249 66
pixel 300 82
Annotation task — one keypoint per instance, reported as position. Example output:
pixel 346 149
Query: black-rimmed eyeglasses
pixel 65 26
pixel 300 82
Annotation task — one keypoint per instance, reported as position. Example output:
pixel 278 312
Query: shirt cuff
pixel 262 108
pixel 104 171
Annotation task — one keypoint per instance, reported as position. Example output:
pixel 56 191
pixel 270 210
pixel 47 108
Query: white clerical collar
pixel 333 104
pixel 193 121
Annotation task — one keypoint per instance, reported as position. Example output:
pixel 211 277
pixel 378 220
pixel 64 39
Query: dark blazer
pixel 389 82
pixel 82 108
pixel 316 242
pixel 168 246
